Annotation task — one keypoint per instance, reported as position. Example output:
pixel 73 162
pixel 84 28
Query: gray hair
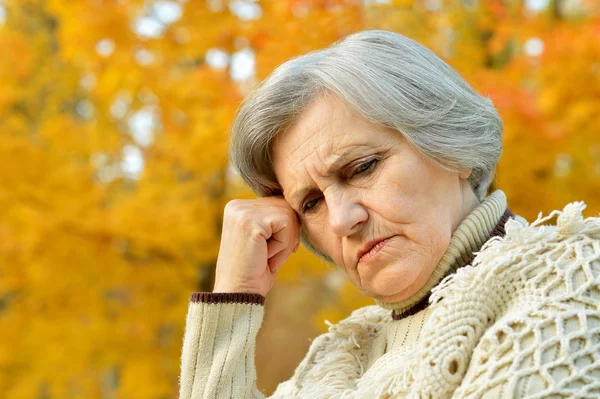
pixel 390 80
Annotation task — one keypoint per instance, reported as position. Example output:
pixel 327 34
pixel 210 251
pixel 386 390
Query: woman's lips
pixel 373 253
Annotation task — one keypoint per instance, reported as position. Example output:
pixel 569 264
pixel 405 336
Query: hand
pixel 258 236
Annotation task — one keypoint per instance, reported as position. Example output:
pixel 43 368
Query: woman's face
pixel 365 182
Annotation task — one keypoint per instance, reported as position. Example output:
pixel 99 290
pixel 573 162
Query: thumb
pixel 278 260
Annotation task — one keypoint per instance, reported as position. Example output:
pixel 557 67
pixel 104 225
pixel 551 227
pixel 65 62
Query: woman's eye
pixel 308 207
pixel 362 168
pixel 365 167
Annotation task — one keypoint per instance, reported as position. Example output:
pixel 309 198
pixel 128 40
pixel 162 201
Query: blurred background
pixel 114 173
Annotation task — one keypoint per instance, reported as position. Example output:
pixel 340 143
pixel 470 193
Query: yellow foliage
pixel 98 254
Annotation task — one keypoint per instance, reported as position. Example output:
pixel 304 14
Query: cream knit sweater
pixel 523 321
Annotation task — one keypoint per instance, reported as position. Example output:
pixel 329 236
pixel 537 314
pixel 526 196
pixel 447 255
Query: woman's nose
pixel 346 214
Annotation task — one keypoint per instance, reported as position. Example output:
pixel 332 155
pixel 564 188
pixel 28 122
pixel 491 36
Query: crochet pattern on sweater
pixel 523 321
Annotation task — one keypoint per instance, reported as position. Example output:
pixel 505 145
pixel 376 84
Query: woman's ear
pixel 465 173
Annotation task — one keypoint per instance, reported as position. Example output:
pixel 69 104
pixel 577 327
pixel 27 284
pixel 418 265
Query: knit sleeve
pixel 218 347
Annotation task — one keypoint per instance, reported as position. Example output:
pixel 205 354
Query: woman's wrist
pixel 233 288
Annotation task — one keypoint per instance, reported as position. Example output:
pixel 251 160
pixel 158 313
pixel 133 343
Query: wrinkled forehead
pixel 325 121
pixel 320 133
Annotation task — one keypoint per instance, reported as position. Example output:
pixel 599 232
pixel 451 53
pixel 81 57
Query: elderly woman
pixel 378 157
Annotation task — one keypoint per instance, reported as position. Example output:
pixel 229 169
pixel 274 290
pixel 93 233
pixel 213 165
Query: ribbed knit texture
pixel 218 350
pixel 522 321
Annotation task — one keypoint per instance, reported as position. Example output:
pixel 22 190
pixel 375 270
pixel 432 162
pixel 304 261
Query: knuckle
pixel 232 205
pixel 235 210
pixel 255 234
pixel 236 214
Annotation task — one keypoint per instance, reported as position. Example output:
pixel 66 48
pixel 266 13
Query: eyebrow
pixel 333 168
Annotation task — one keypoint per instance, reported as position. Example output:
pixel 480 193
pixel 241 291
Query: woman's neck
pixel 468 237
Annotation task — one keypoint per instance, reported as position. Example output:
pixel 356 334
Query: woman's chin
pixel 393 283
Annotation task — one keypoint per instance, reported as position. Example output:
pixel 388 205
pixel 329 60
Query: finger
pixel 278 260
pixel 274 246
pixel 287 235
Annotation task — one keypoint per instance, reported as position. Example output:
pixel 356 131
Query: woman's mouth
pixel 373 253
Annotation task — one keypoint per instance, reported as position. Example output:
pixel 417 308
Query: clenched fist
pixel 258 237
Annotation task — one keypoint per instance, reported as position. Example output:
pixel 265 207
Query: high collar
pixel 486 220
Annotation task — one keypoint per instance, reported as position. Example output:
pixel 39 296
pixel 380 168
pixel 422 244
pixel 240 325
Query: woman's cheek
pixel 317 235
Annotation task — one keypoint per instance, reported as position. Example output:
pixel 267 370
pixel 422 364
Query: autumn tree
pixel 113 135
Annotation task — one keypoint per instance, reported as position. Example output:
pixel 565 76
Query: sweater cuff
pixel 227 297
pixel 217 359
